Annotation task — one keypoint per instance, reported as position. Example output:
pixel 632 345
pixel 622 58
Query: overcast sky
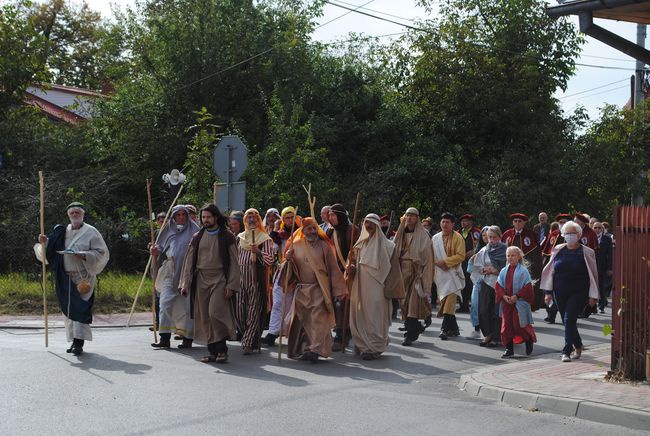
pixel 615 75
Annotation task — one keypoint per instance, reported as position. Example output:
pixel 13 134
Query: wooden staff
pixel 146 269
pixel 346 310
pixel 43 257
pixel 154 263
pixel 311 200
pixel 390 223
pixel 286 285
pixel 214 193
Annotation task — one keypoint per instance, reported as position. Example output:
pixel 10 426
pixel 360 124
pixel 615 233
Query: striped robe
pixel 251 300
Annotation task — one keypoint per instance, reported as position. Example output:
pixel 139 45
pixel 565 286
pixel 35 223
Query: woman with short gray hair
pixel 571 276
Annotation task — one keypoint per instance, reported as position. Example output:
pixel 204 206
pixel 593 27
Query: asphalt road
pixel 123 386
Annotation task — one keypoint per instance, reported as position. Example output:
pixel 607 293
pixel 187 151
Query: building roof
pixel 63 103
pixel 634 11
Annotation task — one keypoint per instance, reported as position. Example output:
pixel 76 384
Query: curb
pixel 51 327
pixel 583 409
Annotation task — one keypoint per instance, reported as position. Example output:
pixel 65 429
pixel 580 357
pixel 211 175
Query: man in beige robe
pixel 317 282
pixel 416 263
pixel 374 267
pixel 211 277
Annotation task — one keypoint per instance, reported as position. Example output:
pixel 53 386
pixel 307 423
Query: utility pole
pixel 641 33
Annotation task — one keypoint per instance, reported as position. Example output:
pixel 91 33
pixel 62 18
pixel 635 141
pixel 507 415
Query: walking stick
pixel 154 263
pixel 346 305
pixel 146 269
pixel 286 284
pixel 390 223
pixel 43 257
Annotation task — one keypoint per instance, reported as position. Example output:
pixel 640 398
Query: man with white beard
pixel 76 254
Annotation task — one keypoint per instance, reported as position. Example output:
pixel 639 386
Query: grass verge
pixel 21 294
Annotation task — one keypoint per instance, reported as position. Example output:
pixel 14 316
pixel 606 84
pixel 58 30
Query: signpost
pixel 230 160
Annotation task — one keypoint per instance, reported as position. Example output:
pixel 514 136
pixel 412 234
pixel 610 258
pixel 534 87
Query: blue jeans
pixel 570 304
pixel 473 312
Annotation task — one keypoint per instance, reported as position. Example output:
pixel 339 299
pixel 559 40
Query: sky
pixel 605 68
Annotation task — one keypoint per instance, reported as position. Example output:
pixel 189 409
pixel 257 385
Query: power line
pixel 378 12
pixel 350 10
pixel 597 93
pixel 593 89
pixel 374 16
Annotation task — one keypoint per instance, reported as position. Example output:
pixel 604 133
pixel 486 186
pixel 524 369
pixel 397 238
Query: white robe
pixel 87 239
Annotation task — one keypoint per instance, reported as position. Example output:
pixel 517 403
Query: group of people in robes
pixel 321 285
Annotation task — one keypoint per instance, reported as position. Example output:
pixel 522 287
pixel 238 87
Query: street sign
pixel 233 197
pixel 230 159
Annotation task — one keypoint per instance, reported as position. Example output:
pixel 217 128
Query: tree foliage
pixel 457 115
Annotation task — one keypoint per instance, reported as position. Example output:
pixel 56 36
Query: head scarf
pixel 341 228
pixel 375 251
pixel 299 234
pixel 174 243
pixel 421 242
pixel 271 211
pixel 290 209
pixel 252 235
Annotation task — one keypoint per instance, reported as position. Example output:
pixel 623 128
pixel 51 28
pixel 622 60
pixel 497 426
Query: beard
pixel 76 221
pixel 311 238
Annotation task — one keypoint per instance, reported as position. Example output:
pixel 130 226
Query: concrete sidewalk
pixel 100 320
pixel 575 389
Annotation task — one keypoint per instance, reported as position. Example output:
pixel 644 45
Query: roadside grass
pixel 21 294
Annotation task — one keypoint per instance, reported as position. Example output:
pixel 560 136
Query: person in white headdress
pixel 173 242
pixel 377 279
pixel 416 262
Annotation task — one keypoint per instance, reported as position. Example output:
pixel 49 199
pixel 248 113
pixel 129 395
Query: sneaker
pixel 475 335
pixel 453 333
pixel 508 353
pixel 566 358
pixel 549 321
pixel 407 342
pixel 443 336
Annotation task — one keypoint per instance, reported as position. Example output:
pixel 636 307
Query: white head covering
pixel 180 239
pixel 375 251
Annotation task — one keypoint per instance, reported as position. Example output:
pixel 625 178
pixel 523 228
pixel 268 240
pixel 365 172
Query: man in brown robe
pixel 343 235
pixel 416 262
pixel 211 277
pixel 317 282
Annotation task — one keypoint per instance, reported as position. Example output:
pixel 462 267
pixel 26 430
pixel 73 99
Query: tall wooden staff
pixel 346 310
pixel 311 200
pixel 146 269
pixel 43 258
pixel 286 285
pixel 153 262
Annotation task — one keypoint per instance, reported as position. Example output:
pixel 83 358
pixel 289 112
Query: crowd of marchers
pixel 329 285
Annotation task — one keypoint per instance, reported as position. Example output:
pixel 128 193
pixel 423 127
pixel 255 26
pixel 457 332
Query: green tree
pixel 20 65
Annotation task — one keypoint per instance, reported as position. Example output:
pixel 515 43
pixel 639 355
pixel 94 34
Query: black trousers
pixel 218 347
pixel 449 324
pixel 413 329
pixel 488 312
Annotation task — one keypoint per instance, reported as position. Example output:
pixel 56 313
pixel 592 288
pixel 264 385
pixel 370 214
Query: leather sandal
pixel 208 359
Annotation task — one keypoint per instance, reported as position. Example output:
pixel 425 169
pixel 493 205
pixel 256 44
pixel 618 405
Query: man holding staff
pixel 76 254
pixel 416 263
pixel 316 281
pixel 170 252
pixel 255 257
